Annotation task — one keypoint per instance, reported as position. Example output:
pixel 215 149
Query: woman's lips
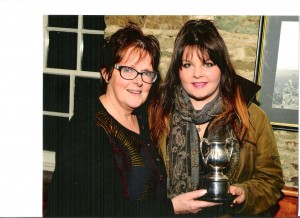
pixel 199 84
pixel 134 91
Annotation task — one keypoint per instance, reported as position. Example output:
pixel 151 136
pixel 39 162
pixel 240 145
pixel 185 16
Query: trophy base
pixel 225 199
pixel 222 210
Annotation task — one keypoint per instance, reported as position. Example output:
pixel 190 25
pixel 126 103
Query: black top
pixel 104 169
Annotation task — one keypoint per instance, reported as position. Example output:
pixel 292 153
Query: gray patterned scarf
pixel 184 167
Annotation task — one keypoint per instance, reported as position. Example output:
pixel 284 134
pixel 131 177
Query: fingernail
pixel 202 192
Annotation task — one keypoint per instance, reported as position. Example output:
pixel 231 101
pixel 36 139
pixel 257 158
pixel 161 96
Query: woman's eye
pixel 208 64
pixel 127 69
pixel 186 65
pixel 147 73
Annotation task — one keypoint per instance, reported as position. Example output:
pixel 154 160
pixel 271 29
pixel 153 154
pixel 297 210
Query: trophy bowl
pixel 216 155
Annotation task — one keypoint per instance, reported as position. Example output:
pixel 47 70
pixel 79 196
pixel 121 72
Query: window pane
pixel 86 93
pixel 66 21
pixel 54 129
pixel 56 93
pixel 62 50
pixel 94 22
pixel 91 52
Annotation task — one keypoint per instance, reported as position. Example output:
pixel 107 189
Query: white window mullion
pixel 72 96
pixel 55 114
pixel 70 30
pixel 79 42
pixel 66 72
pixel 78 67
pixel 46 41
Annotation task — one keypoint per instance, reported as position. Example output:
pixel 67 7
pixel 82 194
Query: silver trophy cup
pixel 216 155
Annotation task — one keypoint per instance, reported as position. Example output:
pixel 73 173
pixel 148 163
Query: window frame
pixel 49 156
pixel 80 31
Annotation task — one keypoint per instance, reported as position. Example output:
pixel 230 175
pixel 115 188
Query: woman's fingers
pixel 239 192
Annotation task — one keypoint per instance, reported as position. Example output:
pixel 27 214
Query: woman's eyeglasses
pixel 130 73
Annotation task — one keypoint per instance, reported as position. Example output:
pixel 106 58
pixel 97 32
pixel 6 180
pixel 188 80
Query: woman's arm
pixel 260 173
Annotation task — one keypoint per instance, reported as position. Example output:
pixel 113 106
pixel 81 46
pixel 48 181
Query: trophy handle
pixel 230 142
pixel 206 142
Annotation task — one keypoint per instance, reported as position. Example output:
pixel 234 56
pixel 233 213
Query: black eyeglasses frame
pixel 119 68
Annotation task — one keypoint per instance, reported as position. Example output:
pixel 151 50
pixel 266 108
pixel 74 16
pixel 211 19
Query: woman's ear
pixel 104 74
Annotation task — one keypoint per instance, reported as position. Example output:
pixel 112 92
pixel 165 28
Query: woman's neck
pixel 123 116
pixel 201 128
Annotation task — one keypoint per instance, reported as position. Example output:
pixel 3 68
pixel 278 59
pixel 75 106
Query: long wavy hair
pixel 202 35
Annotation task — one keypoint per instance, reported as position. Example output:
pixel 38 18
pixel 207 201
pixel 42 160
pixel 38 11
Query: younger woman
pixel 203 97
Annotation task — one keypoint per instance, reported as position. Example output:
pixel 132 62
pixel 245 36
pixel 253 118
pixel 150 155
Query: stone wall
pixel 240 34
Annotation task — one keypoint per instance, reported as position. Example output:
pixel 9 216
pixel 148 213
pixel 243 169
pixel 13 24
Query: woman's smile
pixel 199 84
pixel 135 92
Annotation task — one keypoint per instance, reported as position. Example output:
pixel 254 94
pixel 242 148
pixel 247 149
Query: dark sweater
pixel 104 169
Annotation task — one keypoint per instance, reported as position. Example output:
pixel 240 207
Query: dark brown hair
pixel 116 45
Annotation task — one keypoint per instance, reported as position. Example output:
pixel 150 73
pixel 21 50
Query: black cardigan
pixel 104 169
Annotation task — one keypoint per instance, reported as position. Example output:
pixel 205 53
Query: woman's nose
pixel 198 72
pixel 138 80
